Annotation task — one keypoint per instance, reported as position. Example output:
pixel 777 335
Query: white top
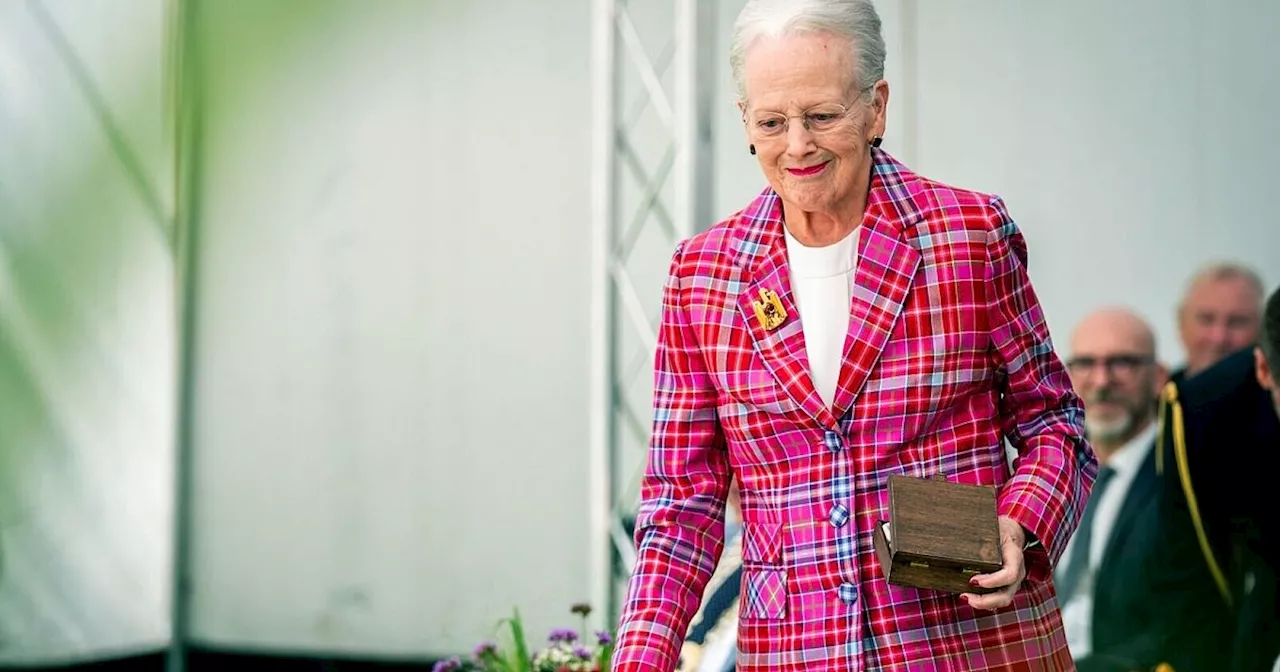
pixel 1077 613
pixel 822 281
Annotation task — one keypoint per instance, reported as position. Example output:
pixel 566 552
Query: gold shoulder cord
pixel 1170 390
pixel 1170 398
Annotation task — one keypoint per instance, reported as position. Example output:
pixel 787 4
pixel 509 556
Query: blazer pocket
pixel 762 543
pixel 764 594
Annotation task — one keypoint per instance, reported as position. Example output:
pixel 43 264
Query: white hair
pixel 855 20
pixel 1227 270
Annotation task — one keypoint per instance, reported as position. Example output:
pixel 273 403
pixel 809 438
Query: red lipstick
pixel 809 171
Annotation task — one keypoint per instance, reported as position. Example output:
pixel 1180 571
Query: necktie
pixel 1078 562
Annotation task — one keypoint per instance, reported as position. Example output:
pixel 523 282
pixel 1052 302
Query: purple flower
pixel 581 653
pixel 603 638
pixel 563 635
pixel 486 648
pixel 447 665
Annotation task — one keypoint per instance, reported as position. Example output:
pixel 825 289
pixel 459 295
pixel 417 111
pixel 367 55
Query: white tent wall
pixel 391 348
pixel 1132 141
pixel 87 337
pixel 392 327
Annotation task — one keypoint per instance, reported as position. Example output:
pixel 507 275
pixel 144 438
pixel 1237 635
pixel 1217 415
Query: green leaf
pixel 516 658
pixel 605 658
pixel 524 662
pixel 507 660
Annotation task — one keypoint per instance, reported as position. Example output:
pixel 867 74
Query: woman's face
pixel 810 124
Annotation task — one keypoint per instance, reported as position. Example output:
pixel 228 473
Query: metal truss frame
pixel 618 310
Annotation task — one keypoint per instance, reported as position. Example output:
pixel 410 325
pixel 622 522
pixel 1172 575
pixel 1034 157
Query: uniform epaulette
pixel 1170 403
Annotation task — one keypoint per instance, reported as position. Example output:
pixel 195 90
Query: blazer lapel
pixel 886 265
pixel 763 252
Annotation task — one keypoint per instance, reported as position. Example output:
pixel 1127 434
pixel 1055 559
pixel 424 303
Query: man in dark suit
pixel 1219 459
pixel 1101 577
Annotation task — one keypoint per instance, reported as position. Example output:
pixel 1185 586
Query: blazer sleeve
pixel 680 524
pixel 1040 413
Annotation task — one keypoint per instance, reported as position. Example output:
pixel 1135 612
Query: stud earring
pixel 875 142
pixel 752 149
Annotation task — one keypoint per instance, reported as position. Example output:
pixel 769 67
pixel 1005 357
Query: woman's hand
pixel 1009 578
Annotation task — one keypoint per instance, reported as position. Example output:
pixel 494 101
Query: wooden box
pixel 939 534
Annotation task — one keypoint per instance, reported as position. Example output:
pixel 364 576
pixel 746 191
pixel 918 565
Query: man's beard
pixel 1109 431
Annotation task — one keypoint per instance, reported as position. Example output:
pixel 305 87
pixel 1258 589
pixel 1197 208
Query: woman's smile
pixel 808 171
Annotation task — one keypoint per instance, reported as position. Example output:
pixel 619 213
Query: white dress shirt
pixel 1077 613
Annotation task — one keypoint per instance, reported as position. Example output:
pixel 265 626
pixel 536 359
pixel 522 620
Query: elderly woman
pixel 854 321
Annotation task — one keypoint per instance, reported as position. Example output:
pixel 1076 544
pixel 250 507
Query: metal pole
pixel 188 131
pixel 909 138
pixel 603 209
pixel 694 101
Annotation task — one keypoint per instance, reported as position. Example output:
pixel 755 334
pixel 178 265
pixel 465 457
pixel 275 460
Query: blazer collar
pixel 886 265
pixel 891 209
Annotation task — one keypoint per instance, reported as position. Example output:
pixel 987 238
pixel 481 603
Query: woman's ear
pixel 880 107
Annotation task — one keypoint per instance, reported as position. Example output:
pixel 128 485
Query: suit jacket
pixel 1125 629
pixel 947 354
pixel 1218 458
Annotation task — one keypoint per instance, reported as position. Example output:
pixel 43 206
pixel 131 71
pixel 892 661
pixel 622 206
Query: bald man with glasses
pixel 1101 577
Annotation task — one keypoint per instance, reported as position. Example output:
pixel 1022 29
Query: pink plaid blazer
pixel 947 355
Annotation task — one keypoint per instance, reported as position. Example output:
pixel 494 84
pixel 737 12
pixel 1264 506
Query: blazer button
pixel 833 441
pixel 848 593
pixel 839 515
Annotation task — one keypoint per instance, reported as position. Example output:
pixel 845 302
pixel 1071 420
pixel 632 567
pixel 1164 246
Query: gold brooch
pixel 769 310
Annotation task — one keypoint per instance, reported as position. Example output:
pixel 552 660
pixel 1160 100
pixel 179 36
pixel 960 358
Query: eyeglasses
pixel 818 119
pixel 1115 365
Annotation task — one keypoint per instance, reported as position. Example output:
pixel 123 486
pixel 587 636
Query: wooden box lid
pixel 944 524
